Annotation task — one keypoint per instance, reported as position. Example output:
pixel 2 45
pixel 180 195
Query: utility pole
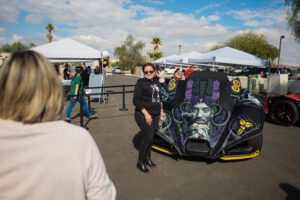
pixel 281 37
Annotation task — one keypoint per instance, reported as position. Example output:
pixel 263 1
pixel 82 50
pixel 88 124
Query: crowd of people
pixel 86 71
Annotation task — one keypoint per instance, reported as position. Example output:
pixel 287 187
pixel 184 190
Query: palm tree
pixel 156 42
pixel 49 28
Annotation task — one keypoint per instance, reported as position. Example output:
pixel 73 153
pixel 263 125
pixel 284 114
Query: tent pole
pixel 102 62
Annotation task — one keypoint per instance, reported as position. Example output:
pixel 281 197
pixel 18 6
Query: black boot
pixel 141 166
pixel 150 163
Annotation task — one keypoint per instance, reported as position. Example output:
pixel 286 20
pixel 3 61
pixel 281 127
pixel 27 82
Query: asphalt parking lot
pixel 275 174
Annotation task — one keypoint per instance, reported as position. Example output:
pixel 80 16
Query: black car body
pixel 208 116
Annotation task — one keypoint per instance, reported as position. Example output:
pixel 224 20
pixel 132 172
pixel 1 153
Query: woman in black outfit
pixel 147 99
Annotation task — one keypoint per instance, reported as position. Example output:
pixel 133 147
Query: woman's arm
pixel 76 91
pixel 161 109
pixel 138 92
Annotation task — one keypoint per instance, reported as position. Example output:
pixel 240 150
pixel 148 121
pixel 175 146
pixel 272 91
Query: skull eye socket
pixel 195 110
pixel 205 110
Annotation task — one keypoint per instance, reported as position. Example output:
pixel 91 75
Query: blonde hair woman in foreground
pixel 42 157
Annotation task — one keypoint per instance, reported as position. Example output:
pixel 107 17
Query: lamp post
pixel 281 37
pixel 179 49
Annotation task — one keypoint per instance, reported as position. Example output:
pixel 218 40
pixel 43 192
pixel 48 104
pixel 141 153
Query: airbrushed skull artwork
pixel 209 116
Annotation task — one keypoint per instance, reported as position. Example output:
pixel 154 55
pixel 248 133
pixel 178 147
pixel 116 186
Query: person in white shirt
pixel 42 157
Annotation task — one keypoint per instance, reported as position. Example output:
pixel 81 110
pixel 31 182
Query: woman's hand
pixel 162 114
pixel 148 119
pixel 147 116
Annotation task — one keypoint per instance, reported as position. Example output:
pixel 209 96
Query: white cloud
pixel 289 48
pixel 214 18
pixel 210 6
pixel 9 13
pixel 156 2
pixel 2 30
pixel 203 21
pixel 272 24
pixel 256 23
pixel 34 18
pixel 263 17
pixel 245 14
pixel 16 38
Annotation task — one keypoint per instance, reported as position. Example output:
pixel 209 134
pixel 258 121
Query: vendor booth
pixel 69 50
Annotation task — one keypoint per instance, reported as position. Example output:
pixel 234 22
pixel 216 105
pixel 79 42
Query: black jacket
pixel 147 95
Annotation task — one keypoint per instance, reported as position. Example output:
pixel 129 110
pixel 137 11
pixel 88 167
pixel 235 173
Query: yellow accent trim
pixel 172 84
pixel 238 157
pixel 162 150
pixel 236 86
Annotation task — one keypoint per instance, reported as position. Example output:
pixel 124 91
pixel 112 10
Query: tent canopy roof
pixel 190 55
pixel 229 55
pixel 167 59
pixel 68 49
pixel 177 59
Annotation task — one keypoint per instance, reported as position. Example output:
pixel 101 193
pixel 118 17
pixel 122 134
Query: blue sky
pixel 103 24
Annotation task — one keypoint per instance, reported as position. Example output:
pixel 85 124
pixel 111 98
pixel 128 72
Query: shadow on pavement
pixel 137 140
pixel 292 192
pixel 114 116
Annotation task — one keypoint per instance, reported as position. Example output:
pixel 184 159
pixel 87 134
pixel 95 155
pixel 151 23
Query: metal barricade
pixel 123 92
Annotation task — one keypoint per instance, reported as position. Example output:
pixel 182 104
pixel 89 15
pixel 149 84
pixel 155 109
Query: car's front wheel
pixel 284 112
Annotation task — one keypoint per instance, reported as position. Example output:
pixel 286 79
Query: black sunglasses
pixel 148 72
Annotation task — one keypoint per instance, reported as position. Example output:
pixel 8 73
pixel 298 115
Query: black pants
pixel 147 134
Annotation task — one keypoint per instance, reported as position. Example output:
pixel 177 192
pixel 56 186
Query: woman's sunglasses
pixel 148 72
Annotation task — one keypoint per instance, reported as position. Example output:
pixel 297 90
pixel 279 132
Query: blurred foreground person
pixel 43 158
pixel 147 100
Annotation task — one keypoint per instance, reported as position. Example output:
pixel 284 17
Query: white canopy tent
pixel 230 56
pixel 190 55
pixel 178 59
pixel 172 59
pixel 69 50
